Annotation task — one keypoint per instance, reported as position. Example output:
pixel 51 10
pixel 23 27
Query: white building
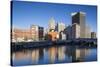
pixel 88 32
pixel 37 32
pixel 62 36
pixel 52 24
pixel 75 31
pixel 60 27
pixel 34 31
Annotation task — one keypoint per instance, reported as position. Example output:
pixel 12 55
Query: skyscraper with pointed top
pixel 52 24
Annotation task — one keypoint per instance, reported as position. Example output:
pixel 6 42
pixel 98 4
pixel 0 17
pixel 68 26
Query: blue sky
pixel 26 13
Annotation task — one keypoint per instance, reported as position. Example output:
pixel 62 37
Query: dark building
pixel 68 32
pixel 41 33
pixel 80 18
pixel 93 34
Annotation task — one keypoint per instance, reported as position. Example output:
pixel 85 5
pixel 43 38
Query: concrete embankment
pixel 28 45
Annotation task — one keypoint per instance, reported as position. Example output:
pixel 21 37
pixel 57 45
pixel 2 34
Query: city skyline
pixel 52 33
pixel 41 13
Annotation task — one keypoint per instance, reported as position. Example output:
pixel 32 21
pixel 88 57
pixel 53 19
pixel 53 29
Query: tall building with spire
pixel 52 24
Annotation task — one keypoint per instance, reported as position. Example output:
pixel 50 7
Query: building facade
pixel 41 33
pixel 60 27
pixel 68 32
pixel 52 24
pixel 88 32
pixel 80 18
pixel 75 31
pixel 20 35
pixel 53 36
pixel 62 36
pixel 35 33
pixel 93 35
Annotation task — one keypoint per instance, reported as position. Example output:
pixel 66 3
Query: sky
pixel 25 14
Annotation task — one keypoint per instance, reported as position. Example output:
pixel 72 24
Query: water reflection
pixel 35 56
pixel 79 54
pixel 61 53
pixel 54 54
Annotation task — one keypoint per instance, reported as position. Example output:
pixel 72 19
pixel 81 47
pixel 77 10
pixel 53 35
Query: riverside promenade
pixel 38 44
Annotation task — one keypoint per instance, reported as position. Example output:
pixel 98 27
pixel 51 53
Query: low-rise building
pixel 52 35
pixel 35 33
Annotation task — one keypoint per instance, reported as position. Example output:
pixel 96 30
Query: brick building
pixel 35 33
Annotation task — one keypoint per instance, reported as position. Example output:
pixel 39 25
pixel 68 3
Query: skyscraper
pixel 60 27
pixel 75 31
pixel 80 18
pixel 88 32
pixel 52 24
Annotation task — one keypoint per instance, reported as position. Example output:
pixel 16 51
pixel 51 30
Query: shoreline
pixel 30 45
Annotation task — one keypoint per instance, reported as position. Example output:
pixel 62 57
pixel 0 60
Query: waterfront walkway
pixel 79 42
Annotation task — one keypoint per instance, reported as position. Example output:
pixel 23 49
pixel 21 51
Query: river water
pixel 53 55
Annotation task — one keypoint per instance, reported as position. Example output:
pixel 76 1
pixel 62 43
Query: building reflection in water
pixel 78 55
pixel 35 56
pixel 61 53
pixel 58 54
pixel 54 54
pixel 21 55
pixel 41 53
